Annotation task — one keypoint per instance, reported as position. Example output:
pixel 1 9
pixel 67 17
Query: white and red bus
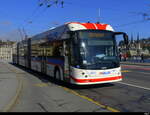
pixel 78 53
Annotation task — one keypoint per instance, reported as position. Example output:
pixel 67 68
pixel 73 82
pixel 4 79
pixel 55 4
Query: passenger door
pixel 66 61
pixel 43 62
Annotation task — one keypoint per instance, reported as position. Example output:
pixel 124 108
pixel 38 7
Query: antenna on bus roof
pixel 98 21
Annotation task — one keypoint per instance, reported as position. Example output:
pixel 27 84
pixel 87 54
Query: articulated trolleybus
pixel 78 53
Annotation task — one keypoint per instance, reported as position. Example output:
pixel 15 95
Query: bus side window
pixel 58 49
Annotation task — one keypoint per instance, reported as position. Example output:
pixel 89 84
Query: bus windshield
pixel 97 50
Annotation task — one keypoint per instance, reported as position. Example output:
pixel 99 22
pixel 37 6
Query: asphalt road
pixel 130 95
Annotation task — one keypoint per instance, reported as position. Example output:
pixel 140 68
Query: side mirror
pixel 125 36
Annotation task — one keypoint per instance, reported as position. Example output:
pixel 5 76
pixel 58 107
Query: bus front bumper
pixel 96 81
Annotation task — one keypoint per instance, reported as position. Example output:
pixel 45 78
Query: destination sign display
pixel 95 35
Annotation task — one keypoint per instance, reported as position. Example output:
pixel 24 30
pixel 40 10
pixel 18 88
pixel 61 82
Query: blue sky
pixel 121 14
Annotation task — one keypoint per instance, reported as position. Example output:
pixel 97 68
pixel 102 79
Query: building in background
pixel 136 47
pixel 6 49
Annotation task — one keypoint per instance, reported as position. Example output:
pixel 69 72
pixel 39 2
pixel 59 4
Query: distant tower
pixel 138 44
pixel 131 38
pixel 131 42
pixel 138 41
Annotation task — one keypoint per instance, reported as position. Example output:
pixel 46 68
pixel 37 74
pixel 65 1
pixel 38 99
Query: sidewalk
pixel 10 86
pixel 135 63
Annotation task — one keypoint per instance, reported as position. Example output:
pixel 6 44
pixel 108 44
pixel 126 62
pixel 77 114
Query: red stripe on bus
pixel 53 64
pixel 101 26
pixel 89 25
pixel 92 26
pixel 96 80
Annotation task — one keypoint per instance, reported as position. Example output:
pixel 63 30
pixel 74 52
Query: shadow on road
pixel 46 79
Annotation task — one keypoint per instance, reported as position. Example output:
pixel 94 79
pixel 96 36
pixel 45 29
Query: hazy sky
pixel 123 15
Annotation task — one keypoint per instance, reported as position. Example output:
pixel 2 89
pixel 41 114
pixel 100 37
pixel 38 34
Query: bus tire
pixel 57 74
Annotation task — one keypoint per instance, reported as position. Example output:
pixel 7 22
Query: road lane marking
pixel 91 100
pixel 41 85
pixel 125 71
pixel 134 85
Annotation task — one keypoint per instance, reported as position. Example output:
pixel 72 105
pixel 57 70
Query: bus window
pixel 58 49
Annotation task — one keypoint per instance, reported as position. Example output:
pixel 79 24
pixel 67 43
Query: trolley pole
pixel 99 14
